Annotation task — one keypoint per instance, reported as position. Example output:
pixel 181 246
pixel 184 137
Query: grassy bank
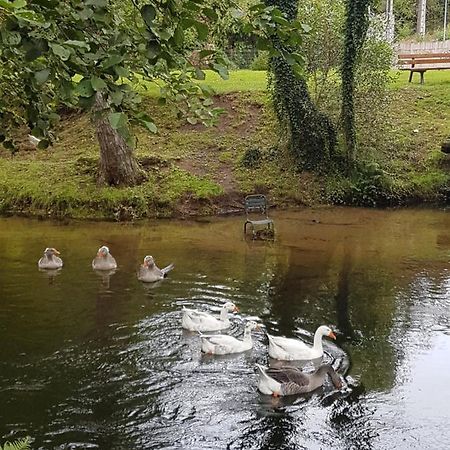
pixel 197 170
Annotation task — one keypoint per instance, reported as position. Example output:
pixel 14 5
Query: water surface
pixel 100 361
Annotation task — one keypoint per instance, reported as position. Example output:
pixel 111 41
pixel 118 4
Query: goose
pixel 104 260
pixel 195 320
pixel 291 380
pixel 149 272
pixel 50 260
pixel 221 344
pixel 293 349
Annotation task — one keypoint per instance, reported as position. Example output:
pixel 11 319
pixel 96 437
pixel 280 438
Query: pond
pixel 100 361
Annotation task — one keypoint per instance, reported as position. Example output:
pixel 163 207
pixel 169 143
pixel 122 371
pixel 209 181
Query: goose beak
pixel 56 252
pixel 258 327
pixel 236 309
pixel 332 335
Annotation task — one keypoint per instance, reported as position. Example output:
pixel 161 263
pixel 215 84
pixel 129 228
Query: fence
pixel 423 47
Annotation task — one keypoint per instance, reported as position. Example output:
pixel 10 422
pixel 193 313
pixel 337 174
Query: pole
pixel 445 18
pixel 421 16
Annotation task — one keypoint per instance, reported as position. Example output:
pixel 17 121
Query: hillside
pixel 193 170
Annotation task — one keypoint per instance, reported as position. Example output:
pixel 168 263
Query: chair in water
pixel 256 211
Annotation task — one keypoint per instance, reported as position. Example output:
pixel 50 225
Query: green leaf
pixel 121 71
pixel 148 13
pixel 43 143
pixel 263 44
pixel 199 74
pixel 153 49
pixel 116 97
pixel 179 36
pixel 221 70
pixel 84 88
pixel 112 61
pixel 210 13
pixel 117 120
pixel 98 3
pixel 42 76
pixel 98 84
pixel 150 126
pixel 79 44
pixel 17 4
pixel 192 120
pixel 11 37
pixel 60 51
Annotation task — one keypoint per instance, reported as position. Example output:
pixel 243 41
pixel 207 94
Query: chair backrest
pixel 256 203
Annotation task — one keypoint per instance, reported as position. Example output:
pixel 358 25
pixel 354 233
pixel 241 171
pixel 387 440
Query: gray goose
pixel 104 260
pixel 149 272
pixel 292 381
pixel 50 260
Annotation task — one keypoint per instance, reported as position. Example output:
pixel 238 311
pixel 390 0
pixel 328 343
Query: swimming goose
pixel 149 272
pixel 50 260
pixel 291 380
pixel 104 260
pixel 293 349
pixel 194 320
pixel 222 344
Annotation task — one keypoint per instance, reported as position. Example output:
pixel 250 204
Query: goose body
pixel 194 320
pixel 222 344
pixel 291 380
pixel 287 349
pixel 104 260
pixel 149 272
pixel 50 260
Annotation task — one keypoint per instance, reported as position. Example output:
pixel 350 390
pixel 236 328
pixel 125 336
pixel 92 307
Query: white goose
pixel 194 320
pixel 293 349
pixel 222 344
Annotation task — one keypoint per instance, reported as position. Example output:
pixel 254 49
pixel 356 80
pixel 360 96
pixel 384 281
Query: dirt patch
pixel 207 163
pixel 241 115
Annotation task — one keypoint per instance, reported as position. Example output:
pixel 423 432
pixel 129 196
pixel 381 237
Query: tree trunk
pixel 117 163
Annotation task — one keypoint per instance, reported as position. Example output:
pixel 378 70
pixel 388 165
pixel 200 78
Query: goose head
pixel 103 251
pixel 325 331
pixel 50 251
pixel 149 261
pixel 251 325
pixel 230 307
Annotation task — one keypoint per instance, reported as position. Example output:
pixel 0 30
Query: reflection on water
pixel 93 360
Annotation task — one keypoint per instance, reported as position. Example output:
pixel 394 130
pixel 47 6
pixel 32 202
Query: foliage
pixel 311 134
pixel 326 19
pixel 357 23
pixel 64 53
pixel 20 444
pixel 261 61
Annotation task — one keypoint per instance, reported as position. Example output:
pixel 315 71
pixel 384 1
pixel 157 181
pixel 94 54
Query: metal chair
pixel 256 210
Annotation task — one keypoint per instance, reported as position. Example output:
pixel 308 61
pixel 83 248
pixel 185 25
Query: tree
pixel 357 23
pixel 97 54
pixel 94 55
pixel 311 133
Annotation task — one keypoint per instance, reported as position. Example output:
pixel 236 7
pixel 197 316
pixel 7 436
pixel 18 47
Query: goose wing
pixel 167 269
pixel 289 375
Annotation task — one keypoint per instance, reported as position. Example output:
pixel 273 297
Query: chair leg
pixel 421 77
pixel 410 76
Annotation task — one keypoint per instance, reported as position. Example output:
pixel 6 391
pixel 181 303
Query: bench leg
pixel 410 76
pixel 421 77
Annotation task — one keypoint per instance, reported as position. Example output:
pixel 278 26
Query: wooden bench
pixel 421 62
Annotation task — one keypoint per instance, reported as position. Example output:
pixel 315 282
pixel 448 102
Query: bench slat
pixel 424 61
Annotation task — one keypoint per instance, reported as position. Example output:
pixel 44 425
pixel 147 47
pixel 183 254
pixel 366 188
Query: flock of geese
pixel 280 381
